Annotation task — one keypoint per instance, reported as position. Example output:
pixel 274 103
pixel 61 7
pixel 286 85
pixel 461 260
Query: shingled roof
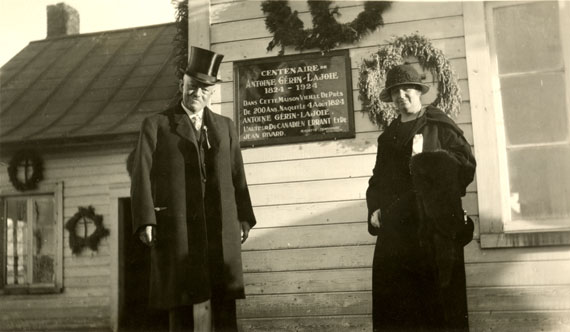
pixel 86 86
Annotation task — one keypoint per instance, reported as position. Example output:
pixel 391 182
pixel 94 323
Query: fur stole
pixel 443 228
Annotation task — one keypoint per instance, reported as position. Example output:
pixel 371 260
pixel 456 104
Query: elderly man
pixel 418 273
pixel 190 204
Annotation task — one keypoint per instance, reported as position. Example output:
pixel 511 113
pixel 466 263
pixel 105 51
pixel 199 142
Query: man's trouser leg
pixel 196 318
pixel 224 314
pixel 181 319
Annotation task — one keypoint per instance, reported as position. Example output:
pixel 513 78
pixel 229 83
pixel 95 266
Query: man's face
pixel 195 95
pixel 406 97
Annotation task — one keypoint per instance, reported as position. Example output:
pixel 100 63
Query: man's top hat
pixel 400 75
pixel 203 65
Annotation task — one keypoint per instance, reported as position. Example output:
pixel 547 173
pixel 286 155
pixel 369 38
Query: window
pixel 522 50
pixel 31 242
pixel 525 39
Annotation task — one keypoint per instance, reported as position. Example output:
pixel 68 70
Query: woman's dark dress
pixel 406 294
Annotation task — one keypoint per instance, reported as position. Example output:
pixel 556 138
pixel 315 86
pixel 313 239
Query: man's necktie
pixel 197 121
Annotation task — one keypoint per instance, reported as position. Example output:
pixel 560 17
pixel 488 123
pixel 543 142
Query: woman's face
pixel 407 99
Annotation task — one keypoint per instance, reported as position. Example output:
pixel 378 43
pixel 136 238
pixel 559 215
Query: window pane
pixel 534 108
pixel 16 242
pixel 540 180
pixel 44 240
pixel 527 37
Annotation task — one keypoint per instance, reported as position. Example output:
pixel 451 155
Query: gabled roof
pixel 87 85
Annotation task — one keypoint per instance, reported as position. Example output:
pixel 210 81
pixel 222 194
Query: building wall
pixel 308 261
pixel 88 294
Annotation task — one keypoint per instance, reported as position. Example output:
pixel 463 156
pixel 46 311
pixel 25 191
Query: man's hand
pixel 148 235
pixel 375 218
pixel 244 230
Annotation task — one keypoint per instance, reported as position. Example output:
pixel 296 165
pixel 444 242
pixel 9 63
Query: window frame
pixel 489 138
pixel 56 190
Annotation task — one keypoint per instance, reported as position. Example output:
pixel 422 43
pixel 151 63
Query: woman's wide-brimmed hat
pixel 400 75
pixel 203 65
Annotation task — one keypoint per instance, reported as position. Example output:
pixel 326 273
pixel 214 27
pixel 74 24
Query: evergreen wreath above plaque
pixel 373 75
pixel 85 216
pixel 327 33
pixel 26 159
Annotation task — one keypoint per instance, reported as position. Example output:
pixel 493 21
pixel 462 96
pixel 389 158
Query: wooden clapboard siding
pixel 308 261
pixel 286 171
pixel 313 257
pixel 521 321
pixel 511 298
pixel 474 254
pixel 314 304
pixel 87 257
pixel 18 304
pixel 487 273
pixel 321 191
pixel 88 319
pixel 92 317
pixel 85 302
pixel 314 236
pixel 527 321
pixel 302 259
pixel 95 281
pixel 311 191
pixel 359 302
pixel 547 272
pixel 362 143
pixel 85 291
pixel 308 324
pixel 322 213
pixel 481 298
pixel 87 271
pixel 308 281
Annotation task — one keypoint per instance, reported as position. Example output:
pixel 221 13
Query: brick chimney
pixel 62 20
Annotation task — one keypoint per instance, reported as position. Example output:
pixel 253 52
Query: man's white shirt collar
pixel 192 114
pixel 198 115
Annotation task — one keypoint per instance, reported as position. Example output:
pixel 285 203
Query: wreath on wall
pixel 76 242
pixel 373 76
pixel 327 33
pixel 26 158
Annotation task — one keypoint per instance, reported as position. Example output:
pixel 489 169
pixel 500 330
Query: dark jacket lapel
pixel 183 126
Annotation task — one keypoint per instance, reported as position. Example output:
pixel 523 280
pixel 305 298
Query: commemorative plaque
pixel 295 98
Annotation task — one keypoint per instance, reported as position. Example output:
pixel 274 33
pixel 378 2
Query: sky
pixel 23 21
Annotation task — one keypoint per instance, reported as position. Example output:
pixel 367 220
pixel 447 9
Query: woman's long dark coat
pixel 197 216
pixel 406 293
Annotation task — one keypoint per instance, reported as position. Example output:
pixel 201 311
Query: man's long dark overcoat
pixel 406 294
pixel 197 217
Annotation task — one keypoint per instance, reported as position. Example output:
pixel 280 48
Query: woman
pixel 412 289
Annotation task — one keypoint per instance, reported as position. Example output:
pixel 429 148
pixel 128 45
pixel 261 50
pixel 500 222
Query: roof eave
pixel 69 143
